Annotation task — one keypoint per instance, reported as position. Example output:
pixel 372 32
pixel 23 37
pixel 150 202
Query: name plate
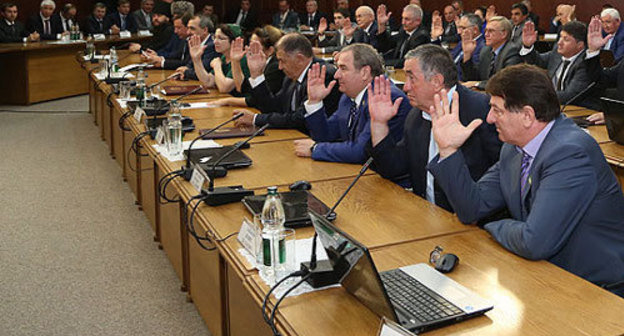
pixel 249 236
pixel 198 178
pixel 138 114
pixel 145 33
pixel 125 34
pixel 99 37
pixel 160 136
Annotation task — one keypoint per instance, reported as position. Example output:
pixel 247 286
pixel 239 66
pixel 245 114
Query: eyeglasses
pixel 492 31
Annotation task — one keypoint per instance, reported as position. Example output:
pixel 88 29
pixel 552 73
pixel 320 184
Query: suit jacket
pixel 407 159
pixel 92 26
pixel 291 21
pixel 12 35
pixel 370 36
pixel 575 81
pixel 617 46
pixel 35 23
pixel 68 24
pixel 303 19
pixel 612 77
pixel 161 36
pixel 208 55
pixel 458 55
pixel 140 21
pixel 450 34
pixel 115 19
pixel 276 108
pixel 516 33
pixel 178 55
pixel 570 214
pixel 339 41
pixel 274 78
pixel 508 55
pixel 390 45
pixel 249 23
pixel 534 18
pixel 332 135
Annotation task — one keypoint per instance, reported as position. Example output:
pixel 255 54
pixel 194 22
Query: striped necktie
pixel 524 170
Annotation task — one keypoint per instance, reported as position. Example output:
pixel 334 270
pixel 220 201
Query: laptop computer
pixel 614 118
pixel 206 157
pixel 296 204
pixel 416 296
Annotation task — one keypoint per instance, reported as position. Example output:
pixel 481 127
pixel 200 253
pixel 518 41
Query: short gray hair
pixel 473 19
pixel 365 55
pixel 179 8
pixel 415 9
pixel 504 22
pixel 48 3
pixel 295 43
pixel 369 10
pixel 206 22
pixel 612 12
pixel 433 60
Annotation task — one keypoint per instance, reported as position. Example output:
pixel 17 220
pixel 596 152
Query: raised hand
pixel 347 28
pixel 196 49
pixel 437 29
pixel 256 59
pixel 448 131
pixel 322 26
pixel 468 44
pixel 529 34
pixel 317 91
pixel 380 105
pixel 237 49
pixel 383 16
pixel 490 12
pixel 595 41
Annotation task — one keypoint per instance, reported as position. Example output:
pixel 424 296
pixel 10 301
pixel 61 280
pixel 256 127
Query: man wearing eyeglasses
pixel 497 54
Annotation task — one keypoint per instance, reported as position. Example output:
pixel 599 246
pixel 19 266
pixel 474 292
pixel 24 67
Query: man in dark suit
pixel 565 65
pixel 565 203
pixel 11 30
pixel 311 18
pixel 450 34
pixel 286 18
pixel 95 22
pixel 162 32
pixel 344 4
pixel 612 25
pixel 202 27
pixel 497 54
pixel 404 161
pixel 469 28
pixel 411 35
pixel 532 16
pixel 176 53
pixel 519 16
pixel 343 136
pixel 143 16
pixel 245 17
pixel 285 108
pixel 67 16
pixel 48 26
pixel 123 20
pixel 347 33
pixel 365 18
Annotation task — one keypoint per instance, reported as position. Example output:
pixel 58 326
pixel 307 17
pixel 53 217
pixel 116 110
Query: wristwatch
pixel 312 148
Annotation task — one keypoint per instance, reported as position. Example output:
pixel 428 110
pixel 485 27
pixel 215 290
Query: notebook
pixel 296 205
pixel 206 157
pixel 230 132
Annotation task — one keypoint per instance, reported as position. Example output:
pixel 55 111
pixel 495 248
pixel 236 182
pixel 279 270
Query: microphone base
pixel 322 275
pixel 225 195
pixel 219 171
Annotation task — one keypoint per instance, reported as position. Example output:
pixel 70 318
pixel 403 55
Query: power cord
pixel 270 319
pixel 122 121
pixel 162 186
pixel 190 224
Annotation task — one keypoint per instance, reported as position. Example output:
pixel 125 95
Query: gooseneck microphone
pixel 223 195
pixel 578 95
pixel 187 169
pixel 173 76
pixel 322 273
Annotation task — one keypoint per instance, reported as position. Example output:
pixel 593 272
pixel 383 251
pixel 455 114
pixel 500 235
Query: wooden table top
pixel 530 297
pixel 614 153
pixel 44 45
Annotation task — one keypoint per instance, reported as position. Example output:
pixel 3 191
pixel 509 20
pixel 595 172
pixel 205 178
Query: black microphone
pixel 223 195
pixel 160 109
pixel 323 273
pixel 187 171
pixel 578 95
pixel 175 75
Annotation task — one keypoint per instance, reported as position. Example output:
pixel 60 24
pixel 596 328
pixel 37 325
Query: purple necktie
pixel 524 170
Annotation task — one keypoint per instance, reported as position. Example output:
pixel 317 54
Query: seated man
pixel 200 26
pixel 563 14
pixel 123 20
pixel 346 34
pixel 285 108
pixel 450 34
pixel 12 31
pixel 48 26
pixel 246 17
pixel 565 65
pixel 532 16
pixel 411 35
pixel 497 54
pixel 162 31
pixel 176 53
pixel 209 11
pixel 67 17
pixel 565 202
pixel 612 25
pixel 95 21
pixel 429 70
pixel 343 136
pixel 311 18
pixel 519 16
pixel 143 16
pixel 365 18
pixel 469 28
pixel 285 19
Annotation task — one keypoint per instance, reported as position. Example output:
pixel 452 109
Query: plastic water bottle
pixel 140 89
pixel 174 120
pixel 114 61
pixel 273 244
pixel 90 49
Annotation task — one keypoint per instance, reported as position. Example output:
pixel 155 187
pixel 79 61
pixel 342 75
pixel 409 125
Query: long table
pixel 398 227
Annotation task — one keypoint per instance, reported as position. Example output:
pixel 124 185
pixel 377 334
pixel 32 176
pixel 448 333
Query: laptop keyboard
pixel 420 301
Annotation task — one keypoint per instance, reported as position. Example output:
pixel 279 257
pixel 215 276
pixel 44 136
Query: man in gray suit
pixel 499 52
pixel 519 16
pixel 564 201
pixel 143 16
pixel 565 65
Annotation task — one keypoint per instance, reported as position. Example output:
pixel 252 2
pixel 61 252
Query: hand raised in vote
pixel 383 16
pixel 246 120
pixel 529 34
pixel 595 41
pixel 380 105
pixel 322 26
pixel 448 131
pixel 347 28
pixel 317 91
pixel 196 49
pixel 490 12
pixel 303 148
pixel 237 50
pixel 437 29
pixel 469 45
pixel 256 59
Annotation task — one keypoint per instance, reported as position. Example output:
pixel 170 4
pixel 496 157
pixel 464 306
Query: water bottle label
pixel 266 251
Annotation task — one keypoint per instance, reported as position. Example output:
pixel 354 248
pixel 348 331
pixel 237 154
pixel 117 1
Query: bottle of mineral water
pixel 273 248
pixel 175 129
pixel 114 61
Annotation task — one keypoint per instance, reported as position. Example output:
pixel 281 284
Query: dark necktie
pixel 243 17
pixel 492 65
pixel 565 66
pixel 46 29
pixel 352 118
pixel 100 25
pixel 12 28
pixel 123 22
pixel 183 50
pixel 403 46
pixel 524 171
pixel 295 97
pixel 310 20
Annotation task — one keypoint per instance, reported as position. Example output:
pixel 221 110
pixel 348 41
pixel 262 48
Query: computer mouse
pixel 300 185
pixel 447 263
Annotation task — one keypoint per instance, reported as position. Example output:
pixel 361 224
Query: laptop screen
pixel 360 277
pixel 614 118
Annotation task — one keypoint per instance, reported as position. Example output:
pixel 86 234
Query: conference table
pixel 398 227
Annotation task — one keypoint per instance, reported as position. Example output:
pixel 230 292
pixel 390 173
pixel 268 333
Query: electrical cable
pixel 162 187
pixel 190 225
pixel 272 318
pixel 122 120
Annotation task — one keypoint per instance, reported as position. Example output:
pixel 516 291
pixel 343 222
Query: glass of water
pixel 124 90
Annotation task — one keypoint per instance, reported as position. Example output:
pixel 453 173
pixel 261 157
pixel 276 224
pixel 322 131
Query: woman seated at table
pixel 221 74
pixel 267 36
